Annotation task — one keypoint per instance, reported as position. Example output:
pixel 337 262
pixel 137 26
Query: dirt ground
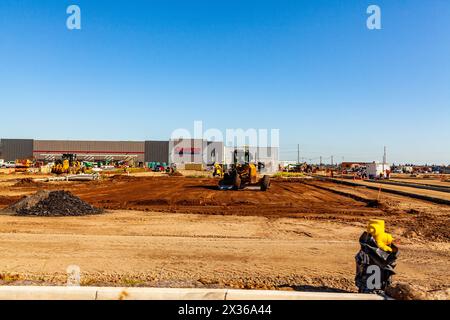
pixel 179 231
pixel 410 189
pixel 431 182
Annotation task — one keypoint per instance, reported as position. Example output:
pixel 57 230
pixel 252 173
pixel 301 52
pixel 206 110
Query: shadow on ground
pixel 307 288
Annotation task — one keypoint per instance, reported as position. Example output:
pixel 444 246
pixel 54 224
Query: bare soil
pixel 180 231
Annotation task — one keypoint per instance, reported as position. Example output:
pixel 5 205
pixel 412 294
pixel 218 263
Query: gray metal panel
pixel 267 152
pixel 214 151
pixel 12 149
pixel 90 147
pixel 157 151
pixel 186 150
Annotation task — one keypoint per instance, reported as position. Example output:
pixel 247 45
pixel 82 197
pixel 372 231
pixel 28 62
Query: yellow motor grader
pixel 243 174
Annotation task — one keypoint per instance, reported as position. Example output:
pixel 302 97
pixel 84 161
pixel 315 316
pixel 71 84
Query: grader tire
pixel 265 183
pixel 237 182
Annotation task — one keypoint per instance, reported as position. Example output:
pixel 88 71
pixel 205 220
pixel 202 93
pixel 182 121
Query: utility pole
pixel 298 153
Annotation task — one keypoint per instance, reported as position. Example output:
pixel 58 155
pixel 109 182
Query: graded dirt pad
pixel 286 198
pixel 183 232
pixel 310 199
pixel 52 203
pixel 201 195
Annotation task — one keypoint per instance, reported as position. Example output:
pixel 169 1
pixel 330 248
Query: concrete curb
pixel 117 293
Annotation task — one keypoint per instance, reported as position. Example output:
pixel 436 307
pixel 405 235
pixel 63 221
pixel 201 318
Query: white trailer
pixel 378 170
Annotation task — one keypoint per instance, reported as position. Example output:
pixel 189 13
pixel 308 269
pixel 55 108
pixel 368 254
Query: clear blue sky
pixel 140 69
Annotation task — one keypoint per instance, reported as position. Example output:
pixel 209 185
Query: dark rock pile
pixel 52 203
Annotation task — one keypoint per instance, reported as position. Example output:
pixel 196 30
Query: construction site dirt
pixel 182 231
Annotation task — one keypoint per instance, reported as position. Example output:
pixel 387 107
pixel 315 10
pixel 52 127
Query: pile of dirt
pixel 52 203
pixel 26 182
pixel 427 226
pixel 175 174
pixel 406 291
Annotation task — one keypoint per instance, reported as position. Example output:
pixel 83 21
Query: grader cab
pixel 243 174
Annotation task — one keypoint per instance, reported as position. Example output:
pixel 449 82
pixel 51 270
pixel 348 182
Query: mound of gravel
pixel 52 203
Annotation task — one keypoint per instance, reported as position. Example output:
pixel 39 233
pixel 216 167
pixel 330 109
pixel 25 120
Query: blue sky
pixel 140 69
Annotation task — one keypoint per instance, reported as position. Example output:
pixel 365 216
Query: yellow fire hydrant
pixel 383 239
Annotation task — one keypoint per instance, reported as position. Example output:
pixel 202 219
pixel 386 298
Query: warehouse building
pixel 180 151
pixel 177 151
pixel 49 150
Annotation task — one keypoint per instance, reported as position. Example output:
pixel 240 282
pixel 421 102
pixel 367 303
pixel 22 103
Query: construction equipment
pixel 218 170
pixel 243 174
pixel 159 168
pixel 171 169
pixel 300 167
pixel 68 164
pixel 22 165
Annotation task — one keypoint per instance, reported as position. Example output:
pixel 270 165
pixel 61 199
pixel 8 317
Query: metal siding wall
pixel 182 157
pixel 217 146
pixel 43 146
pixel 157 151
pixel 13 149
